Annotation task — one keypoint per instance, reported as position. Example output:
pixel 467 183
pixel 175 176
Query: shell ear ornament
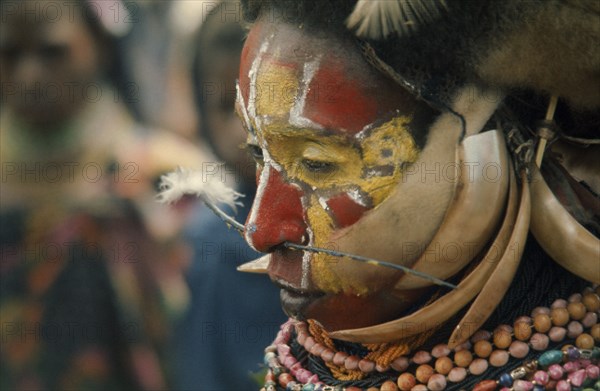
pixel 448 305
pixel 474 195
pixel 566 241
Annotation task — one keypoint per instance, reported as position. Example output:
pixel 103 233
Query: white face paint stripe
pixel 242 106
pixel 296 117
pixel 252 76
pixel 260 191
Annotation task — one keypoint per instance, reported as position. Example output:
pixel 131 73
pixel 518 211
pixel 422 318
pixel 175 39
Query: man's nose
pixel 276 214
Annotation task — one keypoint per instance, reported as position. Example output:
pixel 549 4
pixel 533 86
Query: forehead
pixel 315 81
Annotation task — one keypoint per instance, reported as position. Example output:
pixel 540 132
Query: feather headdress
pixel 376 19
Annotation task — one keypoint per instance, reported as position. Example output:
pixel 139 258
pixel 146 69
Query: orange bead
pixel 443 365
pixel 522 331
pixel 560 316
pixel 423 373
pixel 502 339
pixel 542 323
pixel 584 341
pixel 389 386
pixel 577 310
pixel 591 302
pixel 483 348
pixel 463 358
pixel 406 381
pixel 596 332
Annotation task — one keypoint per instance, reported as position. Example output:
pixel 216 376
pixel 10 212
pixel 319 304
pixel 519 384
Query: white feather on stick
pixel 377 19
pixel 208 186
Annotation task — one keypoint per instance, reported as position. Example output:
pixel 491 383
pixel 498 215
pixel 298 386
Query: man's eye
pixel 318 166
pixel 256 153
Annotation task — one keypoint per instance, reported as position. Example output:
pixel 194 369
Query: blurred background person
pixel 91 266
pixel 232 315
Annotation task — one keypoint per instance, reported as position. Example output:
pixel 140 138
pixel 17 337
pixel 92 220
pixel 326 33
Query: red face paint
pixel 345 210
pixel 277 214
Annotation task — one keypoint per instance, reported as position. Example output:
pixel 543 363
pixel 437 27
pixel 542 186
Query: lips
pixel 286 271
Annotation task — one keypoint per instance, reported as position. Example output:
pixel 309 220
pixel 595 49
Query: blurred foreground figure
pixel 220 340
pixel 434 136
pixel 91 267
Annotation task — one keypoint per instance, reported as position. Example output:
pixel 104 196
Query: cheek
pixel 344 210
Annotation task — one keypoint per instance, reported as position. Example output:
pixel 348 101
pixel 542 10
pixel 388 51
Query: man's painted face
pixel 331 137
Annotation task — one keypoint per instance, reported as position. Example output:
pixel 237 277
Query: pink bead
pixel 301 375
pixel 560 303
pixel 541 377
pixel 518 349
pixel 283 349
pixel 499 358
pixel 571 366
pixel 419 387
pixel 296 367
pixel 310 342
pixel 339 358
pixel 463 346
pixel 351 363
pixel 590 319
pixel 314 379
pixel 555 371
pixel 575 298
pixel 288 361
pixel 584 363
pixel 574 329
pixel 526 319
pixel 481 335
pixel 381 368
pixel 557 334
pixel 436 382
pixel 539 341
pixel 457 374
pixel 540 310
pixel 400 364
pixel 317 349
pixel 366 366
pixel 440 350
pixel 327 355
pixel 478 366
pixel 563 386
pixel 421 357
pixel 592 371
pixel 578 377
pixel 522 385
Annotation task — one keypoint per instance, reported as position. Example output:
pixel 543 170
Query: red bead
pixel 486 385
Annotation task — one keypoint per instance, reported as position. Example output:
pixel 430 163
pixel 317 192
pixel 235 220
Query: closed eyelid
pixel 322 154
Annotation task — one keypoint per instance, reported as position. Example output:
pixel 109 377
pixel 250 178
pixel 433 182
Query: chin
pixel 341 311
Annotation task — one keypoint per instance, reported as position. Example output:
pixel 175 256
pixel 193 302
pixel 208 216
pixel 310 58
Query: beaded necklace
pixel 574 319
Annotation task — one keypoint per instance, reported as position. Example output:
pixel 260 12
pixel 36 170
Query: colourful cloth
pixel 90 282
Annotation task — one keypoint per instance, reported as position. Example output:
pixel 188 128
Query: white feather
pixel 208 186
pixel 377 19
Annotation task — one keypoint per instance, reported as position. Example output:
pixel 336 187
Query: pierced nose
pixel 276 216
